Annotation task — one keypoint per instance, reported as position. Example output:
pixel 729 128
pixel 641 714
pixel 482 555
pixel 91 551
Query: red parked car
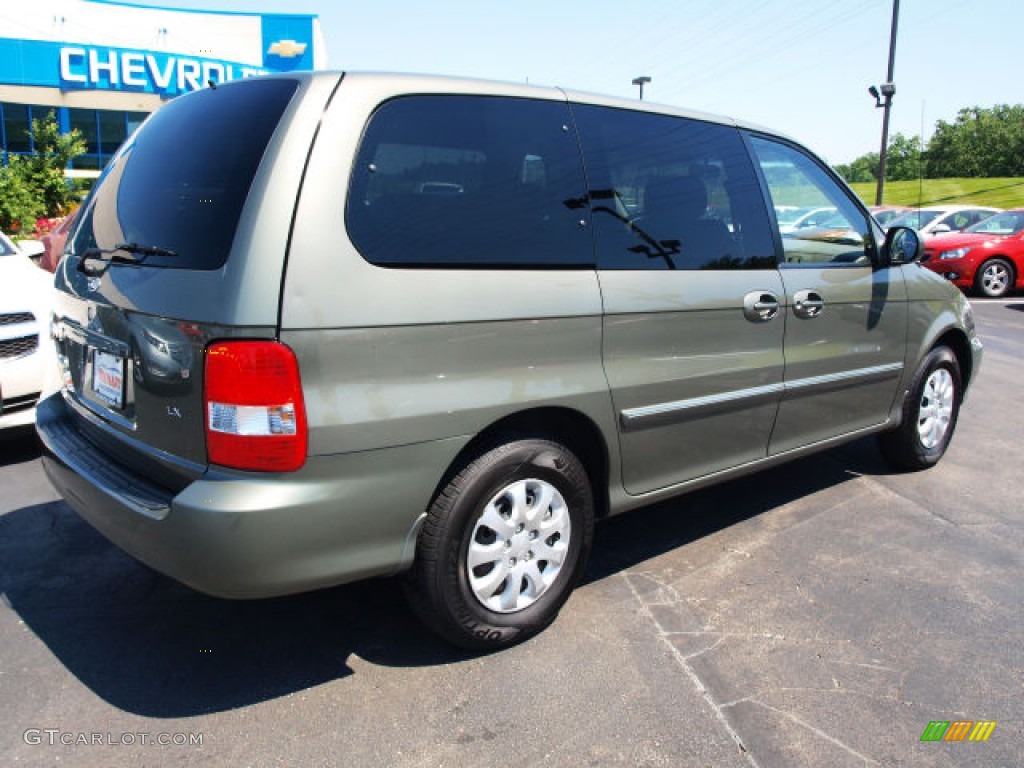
pixel 987 257
pixel 53 243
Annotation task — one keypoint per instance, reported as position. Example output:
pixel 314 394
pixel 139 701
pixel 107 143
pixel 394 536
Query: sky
pixel 801 67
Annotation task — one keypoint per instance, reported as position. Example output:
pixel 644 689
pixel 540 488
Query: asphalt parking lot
pixel 818 614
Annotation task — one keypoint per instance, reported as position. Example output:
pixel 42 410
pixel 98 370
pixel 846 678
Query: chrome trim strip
pixel 844 379
pixel 682 410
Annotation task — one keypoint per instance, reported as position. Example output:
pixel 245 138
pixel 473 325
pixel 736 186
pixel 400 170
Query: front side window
pixel 672 193
pixel 469 181
pixel 973 217
pixel 831 228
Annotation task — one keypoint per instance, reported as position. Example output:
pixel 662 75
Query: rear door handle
pixel 808 304
pixel 760 306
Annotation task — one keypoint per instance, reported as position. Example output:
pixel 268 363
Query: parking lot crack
pixel 754 697
pixel 816 731
pixel 684 664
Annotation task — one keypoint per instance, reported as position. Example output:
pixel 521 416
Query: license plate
pixel 108 378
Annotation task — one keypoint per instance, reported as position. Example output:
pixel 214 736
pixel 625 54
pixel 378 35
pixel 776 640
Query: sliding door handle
pixel 808 304
pixel 760 306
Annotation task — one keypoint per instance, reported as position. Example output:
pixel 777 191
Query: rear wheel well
pixel 569 427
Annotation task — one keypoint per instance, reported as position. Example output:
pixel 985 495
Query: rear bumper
pixel 247 535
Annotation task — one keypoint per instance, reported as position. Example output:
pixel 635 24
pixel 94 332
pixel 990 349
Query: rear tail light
pixel 255 415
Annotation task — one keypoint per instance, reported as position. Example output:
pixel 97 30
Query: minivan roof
pixel 398 83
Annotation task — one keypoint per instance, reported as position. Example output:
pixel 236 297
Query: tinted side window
pixel 469 181
pixel 969 218
pixel 181 180
pixel 817 220
pixel 672 193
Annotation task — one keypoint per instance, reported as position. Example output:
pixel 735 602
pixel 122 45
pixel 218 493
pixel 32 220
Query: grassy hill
pixel 998 193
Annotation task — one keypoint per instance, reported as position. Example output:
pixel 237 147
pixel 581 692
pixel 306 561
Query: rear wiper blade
pixel 122 253
pixel 145 250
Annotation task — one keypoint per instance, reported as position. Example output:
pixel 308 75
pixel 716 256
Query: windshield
pixel 915 219
pixel 1009 223
pixel 6 247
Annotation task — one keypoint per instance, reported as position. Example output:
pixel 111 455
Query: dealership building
pixel 102 66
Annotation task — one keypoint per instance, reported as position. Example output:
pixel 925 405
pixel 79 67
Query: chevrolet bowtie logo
pixel 287 49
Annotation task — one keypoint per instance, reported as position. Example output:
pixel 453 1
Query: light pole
pixel 640 81
pixel 887 90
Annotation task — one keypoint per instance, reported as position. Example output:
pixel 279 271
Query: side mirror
pixel 941 229
pixel 903 245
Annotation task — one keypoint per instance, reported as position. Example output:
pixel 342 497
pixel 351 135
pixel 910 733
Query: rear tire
pixel 994 278
pixel 503 545
pixel 929 414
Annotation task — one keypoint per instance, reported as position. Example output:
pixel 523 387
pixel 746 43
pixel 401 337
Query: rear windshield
pixel 180 181
pixel 1009 223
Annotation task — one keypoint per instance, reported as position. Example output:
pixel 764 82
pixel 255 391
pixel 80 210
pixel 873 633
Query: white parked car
pixel 795 219
pixel 26 351
pixel 940 219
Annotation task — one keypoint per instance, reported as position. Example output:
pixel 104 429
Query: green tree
pixel 34 186
pixel 20 203
pixel 979 143
pixel 903 158
pixel 864 168
pixel 54 151
pixel 903 162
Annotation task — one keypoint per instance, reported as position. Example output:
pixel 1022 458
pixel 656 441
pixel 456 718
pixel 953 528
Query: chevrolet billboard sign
pixel 93 67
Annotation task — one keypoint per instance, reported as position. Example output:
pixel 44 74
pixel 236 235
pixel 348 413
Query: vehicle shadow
pixel 151 646
pixel 18 445
pixel 156 648
pixel 623 542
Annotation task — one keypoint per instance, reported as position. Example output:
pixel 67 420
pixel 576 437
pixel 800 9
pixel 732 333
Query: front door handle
pixel 808 304
pixel 760 306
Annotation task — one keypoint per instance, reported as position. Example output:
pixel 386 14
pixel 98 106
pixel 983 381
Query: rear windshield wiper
pixel 122 253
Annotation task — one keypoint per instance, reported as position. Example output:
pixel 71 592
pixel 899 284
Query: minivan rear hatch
pixel 175 248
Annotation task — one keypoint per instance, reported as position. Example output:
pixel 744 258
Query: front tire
pixel 929 414
pixel 503 545
pixel 994 278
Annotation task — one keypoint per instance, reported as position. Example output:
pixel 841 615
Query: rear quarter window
pixel 469 181
pixel 181 180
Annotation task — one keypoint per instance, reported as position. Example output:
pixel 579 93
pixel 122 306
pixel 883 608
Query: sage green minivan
pixel 321 327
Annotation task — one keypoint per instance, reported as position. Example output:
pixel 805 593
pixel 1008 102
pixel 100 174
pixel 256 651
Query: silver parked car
pixel 322 327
